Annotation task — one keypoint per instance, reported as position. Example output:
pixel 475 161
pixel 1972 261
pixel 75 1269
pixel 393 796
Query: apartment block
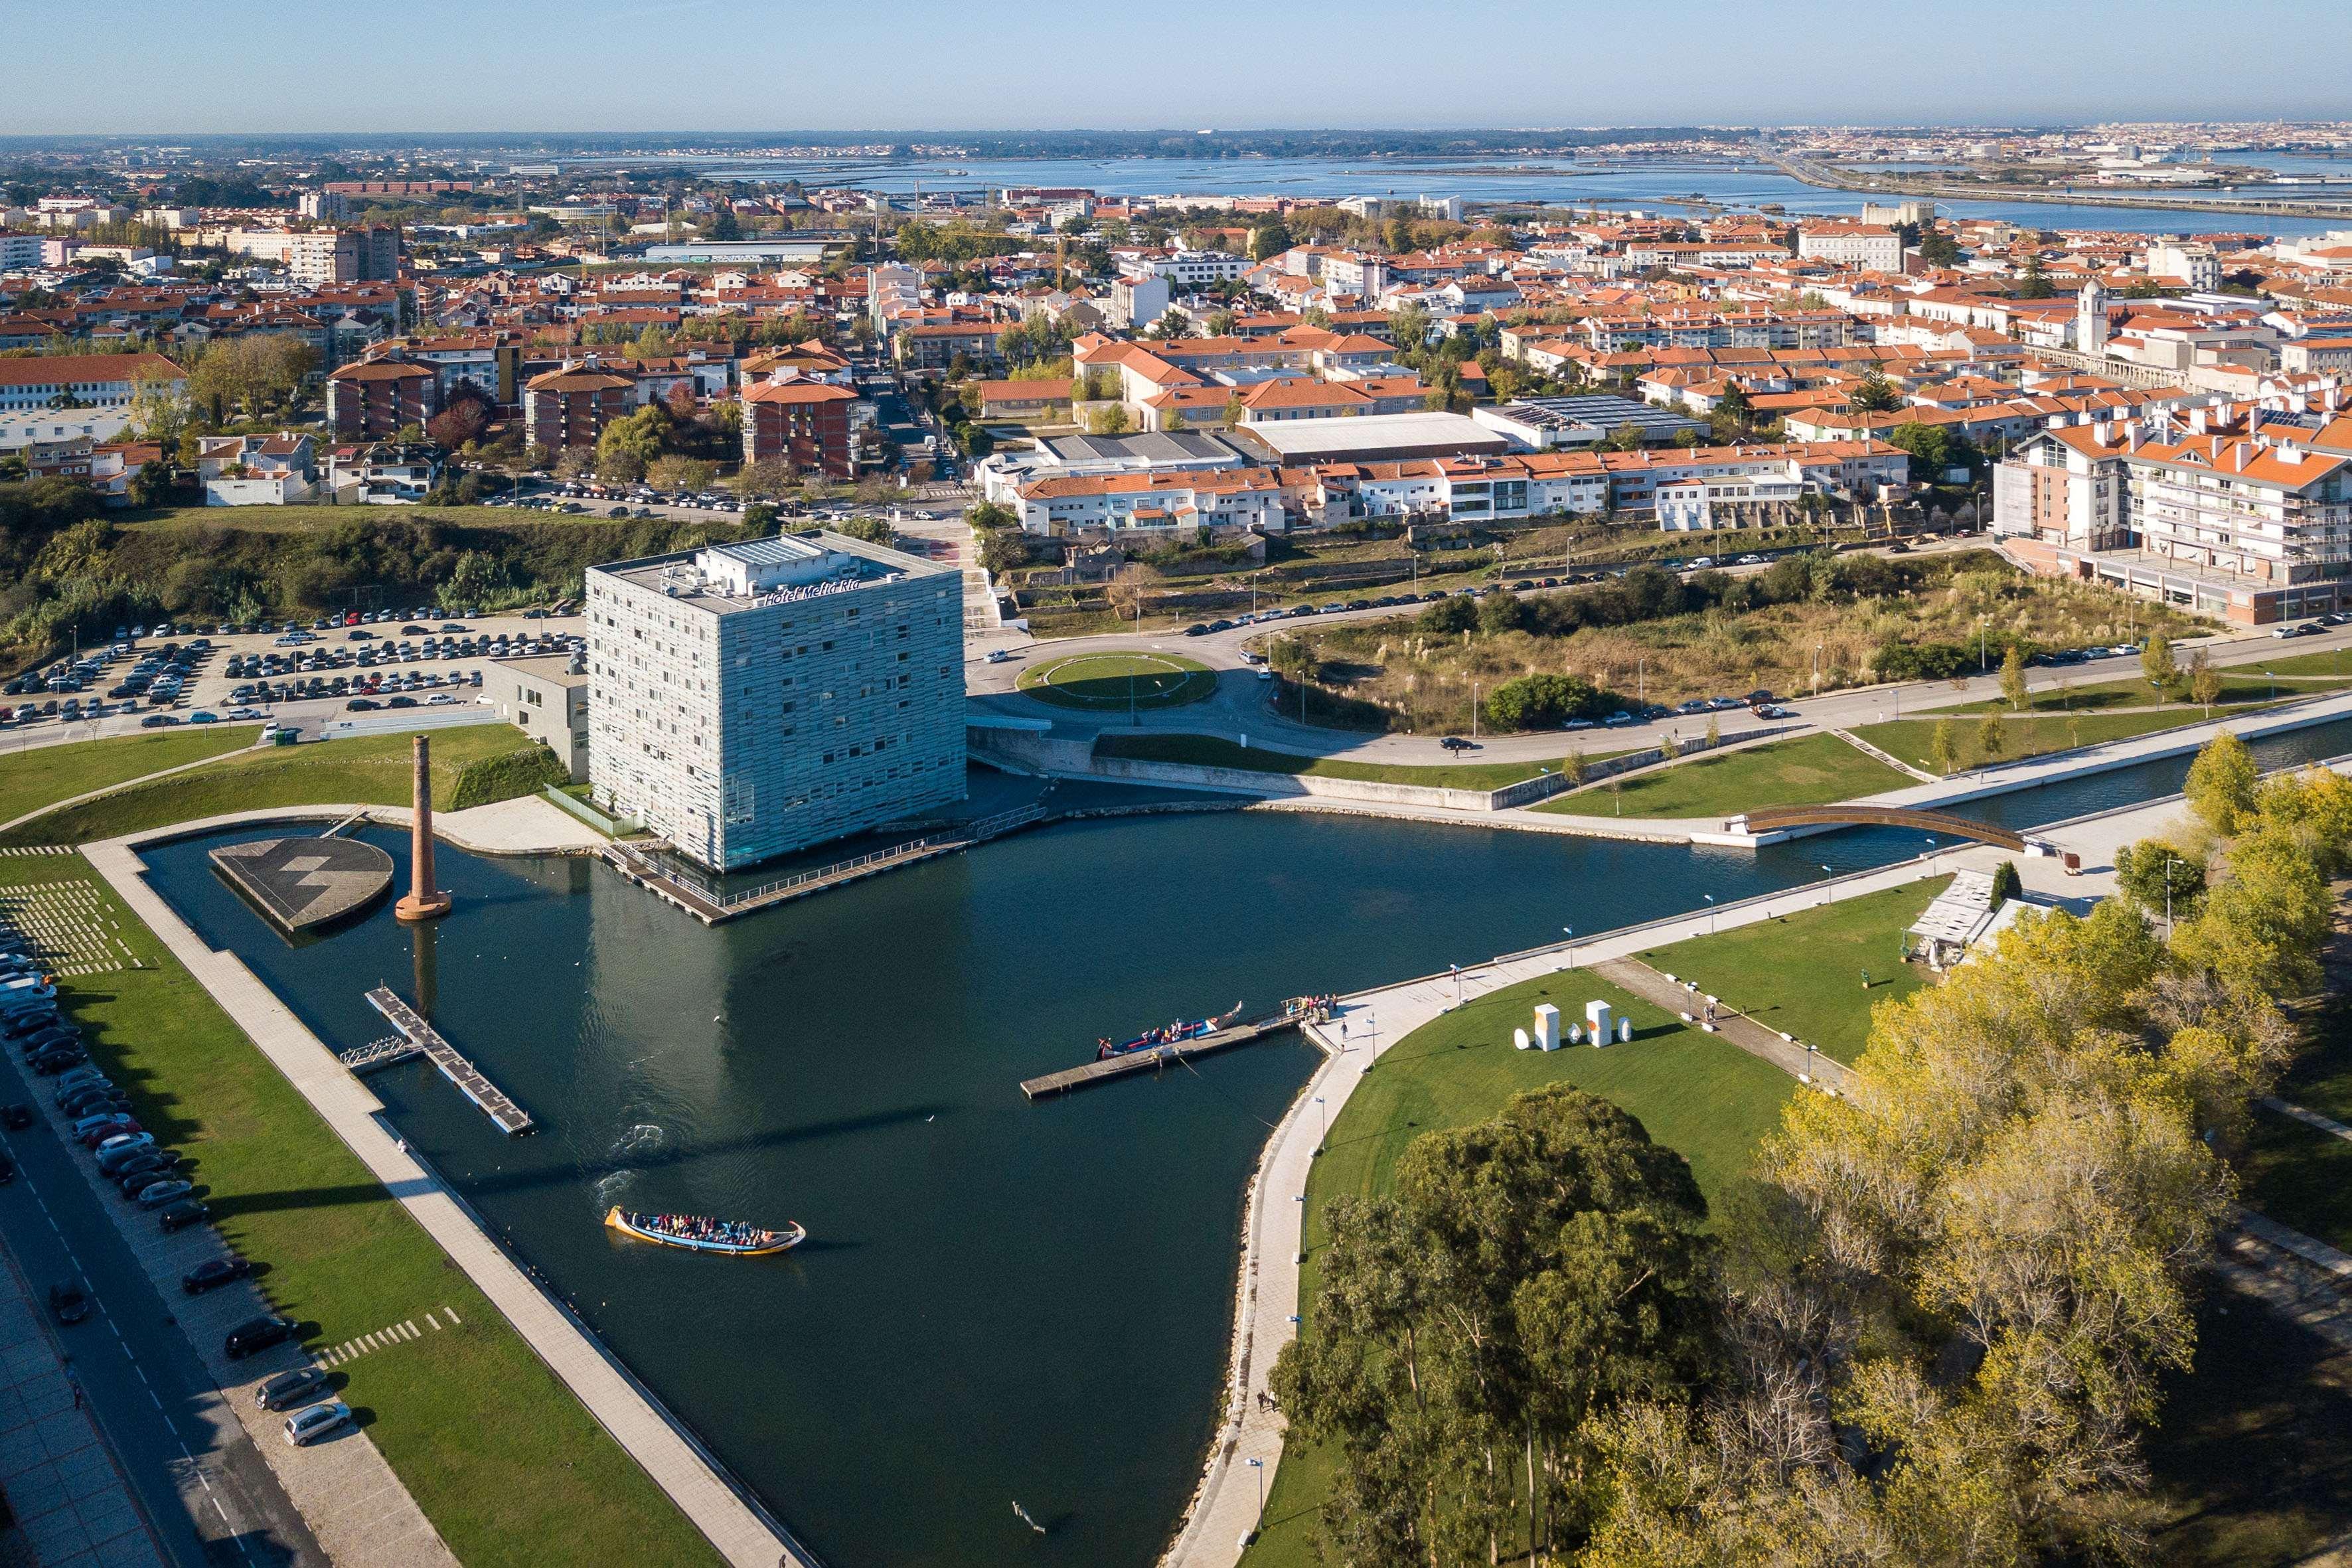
pixel 804 423
pixel 747 701
pixel 370 400
pixel 570 407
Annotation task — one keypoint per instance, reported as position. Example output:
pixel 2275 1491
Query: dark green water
pixel 999 1301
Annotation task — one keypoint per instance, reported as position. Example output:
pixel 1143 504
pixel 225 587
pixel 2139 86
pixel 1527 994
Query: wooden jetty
pixel 504 1113
pixel 1152 1058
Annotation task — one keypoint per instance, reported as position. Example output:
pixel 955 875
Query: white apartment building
pixel 1870 246
pixel 2067 488
pixel 82 381
pixel 1138 301
pixel 1191 269
pixel 750 700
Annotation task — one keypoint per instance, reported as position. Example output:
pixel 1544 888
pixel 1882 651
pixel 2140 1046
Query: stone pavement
pixel 675 1463
pixel 72 1504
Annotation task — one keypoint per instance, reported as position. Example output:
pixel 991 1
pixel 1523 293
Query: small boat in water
pixel 699 1233
pixel 1166 1035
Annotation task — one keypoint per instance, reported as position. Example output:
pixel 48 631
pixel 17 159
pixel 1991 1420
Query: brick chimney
pixel 424 901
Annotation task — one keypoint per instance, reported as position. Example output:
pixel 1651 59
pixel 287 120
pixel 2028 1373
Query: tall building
pixel 370 400
pixel 570 407
pixel 805 423
pixel 751 700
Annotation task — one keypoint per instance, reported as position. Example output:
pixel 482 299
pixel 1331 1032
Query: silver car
pixel 310 1425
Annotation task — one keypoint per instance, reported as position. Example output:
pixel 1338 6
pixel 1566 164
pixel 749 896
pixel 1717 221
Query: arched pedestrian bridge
pixel 1778 818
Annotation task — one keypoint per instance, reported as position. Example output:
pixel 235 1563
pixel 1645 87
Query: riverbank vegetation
pixel 1806 624
pixel 367 770
pixel 499 1455
pixel 1940 1322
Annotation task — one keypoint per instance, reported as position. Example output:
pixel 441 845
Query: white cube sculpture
pixel 1596 1020
pixel 1547 1026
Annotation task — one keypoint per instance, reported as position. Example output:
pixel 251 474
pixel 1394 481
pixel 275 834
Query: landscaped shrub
pixel 527 769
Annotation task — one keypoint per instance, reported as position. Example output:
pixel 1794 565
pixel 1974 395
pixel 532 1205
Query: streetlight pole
pixel 1833 876
pixel 1474 710
pixel 1457 982
pixel 1710 912
pixel 1569 932
pixel 1326 1125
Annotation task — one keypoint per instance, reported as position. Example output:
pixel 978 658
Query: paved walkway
pixel 675 1463
pixel 2326 1124
pixel 72 1505
pixel 529 825
pixel 1632 976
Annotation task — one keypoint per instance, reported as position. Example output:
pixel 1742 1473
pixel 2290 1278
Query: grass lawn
pixel 2252 1462
pixel 313 518
pixel 1214 751
pixel 1801 974
pixel 498 1454
pixel 1812 770
pixel 32 778
pixel 2339 662
pixel 2237 691
pixel 2023 737
pixel 1103 682
pixel 1691 1091
pixel 2299 1176
pixel 369 770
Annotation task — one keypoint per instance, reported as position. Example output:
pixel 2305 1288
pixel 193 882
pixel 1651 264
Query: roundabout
pixel 1115 682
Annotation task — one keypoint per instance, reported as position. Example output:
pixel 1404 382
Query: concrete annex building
pixel 751 700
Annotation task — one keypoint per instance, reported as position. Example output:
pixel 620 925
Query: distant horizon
pixel 541 69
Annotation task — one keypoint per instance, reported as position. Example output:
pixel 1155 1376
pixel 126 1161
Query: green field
pixel 1215 752
pixel 312 518
pixel 1801 974
pixel 500 1455
pixel 1108 682
pixel 1812 770
pixel 372 770
pixel 32 778
pixel 2339 662
pixel 1694 1091
pixel 1910 739
pixel 2238 691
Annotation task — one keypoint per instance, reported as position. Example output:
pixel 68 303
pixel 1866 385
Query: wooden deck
pixel 505 1114
pixel 1156 1057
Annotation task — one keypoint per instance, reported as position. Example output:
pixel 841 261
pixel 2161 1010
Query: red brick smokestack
pixel 425 901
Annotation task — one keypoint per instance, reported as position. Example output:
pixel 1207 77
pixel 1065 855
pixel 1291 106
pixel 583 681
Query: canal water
pixel 1000 1301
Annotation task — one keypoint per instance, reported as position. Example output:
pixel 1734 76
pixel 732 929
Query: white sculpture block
pixel 1596 1020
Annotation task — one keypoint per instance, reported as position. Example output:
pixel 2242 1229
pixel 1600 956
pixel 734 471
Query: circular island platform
pixel 305 883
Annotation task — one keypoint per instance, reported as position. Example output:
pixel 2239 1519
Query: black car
pixel 257 1335
pixel 15 1118
pixel 288 1389
pixel 29 1022
pixel 149 1161
pixel 186 1212
pixel 49 1064
pixel 69 1302
pixel 144 1177
pixel 64 1038
pixel 213 1272
pixel 98 1101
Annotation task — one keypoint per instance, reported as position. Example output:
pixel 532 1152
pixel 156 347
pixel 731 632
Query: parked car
pixel 318 1421
pixel 214 1272
pixel 69 1302
pixel 51 1062
pixel 291 1388
pixel 182 1214
pixel 164 1192
pixel 114 1153
pixel 1457 743
pixel 15 1118
pixel 135 1183
pixel 257 1334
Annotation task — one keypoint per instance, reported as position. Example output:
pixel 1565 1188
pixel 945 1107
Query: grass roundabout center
pixel 1105 682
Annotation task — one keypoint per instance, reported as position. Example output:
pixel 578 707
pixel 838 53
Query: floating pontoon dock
pixel 509 1117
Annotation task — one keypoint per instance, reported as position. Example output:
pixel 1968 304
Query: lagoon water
pixel 1578 182
pixel 1000 1301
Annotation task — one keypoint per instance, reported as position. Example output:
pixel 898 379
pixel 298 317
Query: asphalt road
pixel 209 1494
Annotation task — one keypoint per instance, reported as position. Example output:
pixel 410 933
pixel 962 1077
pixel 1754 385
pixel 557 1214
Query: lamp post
pixel 1474 710
pixel 1569 932
pixel 1457 982
pixel 1710 912
pixel 1326 1125
pixel 1833 876
pixel 1259 1465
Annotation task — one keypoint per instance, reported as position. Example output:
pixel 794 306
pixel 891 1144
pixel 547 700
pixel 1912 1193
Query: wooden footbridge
pixel 1151 1059
pixel 504 1113
pixel 1777 818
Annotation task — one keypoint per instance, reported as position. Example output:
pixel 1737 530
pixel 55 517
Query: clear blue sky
pixel 754 64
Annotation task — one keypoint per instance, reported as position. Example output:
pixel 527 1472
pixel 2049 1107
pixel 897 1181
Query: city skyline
pixel 451 69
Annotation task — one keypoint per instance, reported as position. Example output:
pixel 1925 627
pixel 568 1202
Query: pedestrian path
pixel 2326 1124
pixel 70 1500
pixel 668 1453
pixel 1898 764
pixel 1681 997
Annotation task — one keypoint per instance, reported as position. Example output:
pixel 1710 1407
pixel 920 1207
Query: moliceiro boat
pixel 698 1233
pixel 1166 1035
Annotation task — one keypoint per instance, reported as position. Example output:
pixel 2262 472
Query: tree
pixel 1454 614
pixel 1001 550
pixel 760 514
pixel 575 462
pixel 2204 682
pixel 1873 394
pixel 1930 444
pixel 2221 786
pixel 2159 878
pixel 1992 738
pixel 2034 283
pixel 159 411
pixel 1220 324
pixel 2155 664
pixel 2007 883
pixel 1111 420
pixel 1541 701
pixel 676 473
pixel 1624 438
pixel 1474 1331
pixel 2012 677
pixel 1235 411
pixel 1944 747
pixel 988 514
pixel 1269 239
pixel 459 423
pixel 1128 590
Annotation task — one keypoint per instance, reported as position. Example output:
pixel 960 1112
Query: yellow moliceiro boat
pixel 697 1233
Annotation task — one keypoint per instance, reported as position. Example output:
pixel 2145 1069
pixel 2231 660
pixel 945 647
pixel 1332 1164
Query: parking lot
pixel 188 673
